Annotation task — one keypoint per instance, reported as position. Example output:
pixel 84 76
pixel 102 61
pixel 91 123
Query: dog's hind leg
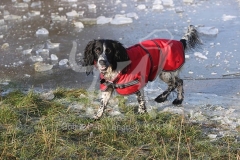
pixel 180 91
pixel 169 79
pixel 141 102
pixel 173 82
pixel 104 101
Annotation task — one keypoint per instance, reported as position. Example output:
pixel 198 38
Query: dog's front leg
pixel 104 101
pixel 141 101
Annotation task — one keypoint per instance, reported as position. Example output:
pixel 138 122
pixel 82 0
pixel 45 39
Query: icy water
pixel 211 73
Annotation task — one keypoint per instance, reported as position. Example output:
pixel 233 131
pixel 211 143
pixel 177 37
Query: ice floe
pixel 121 19
pixel 132 15
pixel 179 10
pixel 72 14
pixel 228 17
pixel 51 45
pixel 37 58
pixel 92 6
pixel 88 21
pixel 103 20
pixel 212 31
pixel 42 31
pixel 78 24
pixel 157 5
pixel 37 4
pixel 54 57
pixel 188 1
pixel 56 17
pixel 12 17
pixel 63 62
pixel 200 55
pixel 5 46
pixel 168 3
pixel 41 67
pixel 141 6
pixel 21 5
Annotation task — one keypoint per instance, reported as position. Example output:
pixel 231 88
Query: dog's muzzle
pixel 102 65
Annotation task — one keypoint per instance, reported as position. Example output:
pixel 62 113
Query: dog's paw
pixel 177 101
pixel 141 111
pixel 160 99
pixel 95 117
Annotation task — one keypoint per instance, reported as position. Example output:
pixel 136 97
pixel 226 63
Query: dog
pixel 128 70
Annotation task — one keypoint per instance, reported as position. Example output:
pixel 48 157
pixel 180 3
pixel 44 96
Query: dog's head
pixel 104 54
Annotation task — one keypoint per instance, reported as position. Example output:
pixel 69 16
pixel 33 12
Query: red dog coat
pixel 147 59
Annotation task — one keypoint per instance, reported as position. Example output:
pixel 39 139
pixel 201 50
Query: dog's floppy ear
pixel 121 52
pixel 89 57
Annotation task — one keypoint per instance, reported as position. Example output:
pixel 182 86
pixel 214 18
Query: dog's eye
pixel 97 50
pixel 107 50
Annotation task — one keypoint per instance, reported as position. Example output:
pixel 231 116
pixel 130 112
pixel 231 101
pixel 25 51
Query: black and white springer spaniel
pixel 128 70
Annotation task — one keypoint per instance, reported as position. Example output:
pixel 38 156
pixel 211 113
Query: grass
pixel 34 128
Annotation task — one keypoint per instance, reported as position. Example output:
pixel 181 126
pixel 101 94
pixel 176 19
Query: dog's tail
pixel 191 39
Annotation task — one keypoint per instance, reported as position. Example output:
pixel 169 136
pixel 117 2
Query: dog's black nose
pixel 102 62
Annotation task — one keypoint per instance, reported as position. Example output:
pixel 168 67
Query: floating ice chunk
pixel 118 1
pixel 132 15
pixel 179 10
pixel 103 20
pixel 34 13
pixel 190 72
pixel 42 31
pixel 168 2
pixel 187 56
pixel 12 17
pixel 36 58
pixel 200 55
pixel 157 7
pixel 51 45
pixel 5 46
pixel 91 6
pixel 89 21
pixel 36 4
pixel 212 31
pixel 27 51
pixel 54 57
pixel 60 9
pixel 213 73
pixel 72 14
pixel 188 1
pixel 228 17
pixel 124 5
pixel 56 17
pixel 63 62
pixel 121 19
pixel 157 2
pixel 21 5
pixel 141 6
pixel 78 24
pixel 41 67
pixel 27 1
pixel 218 54
pixel 43 52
